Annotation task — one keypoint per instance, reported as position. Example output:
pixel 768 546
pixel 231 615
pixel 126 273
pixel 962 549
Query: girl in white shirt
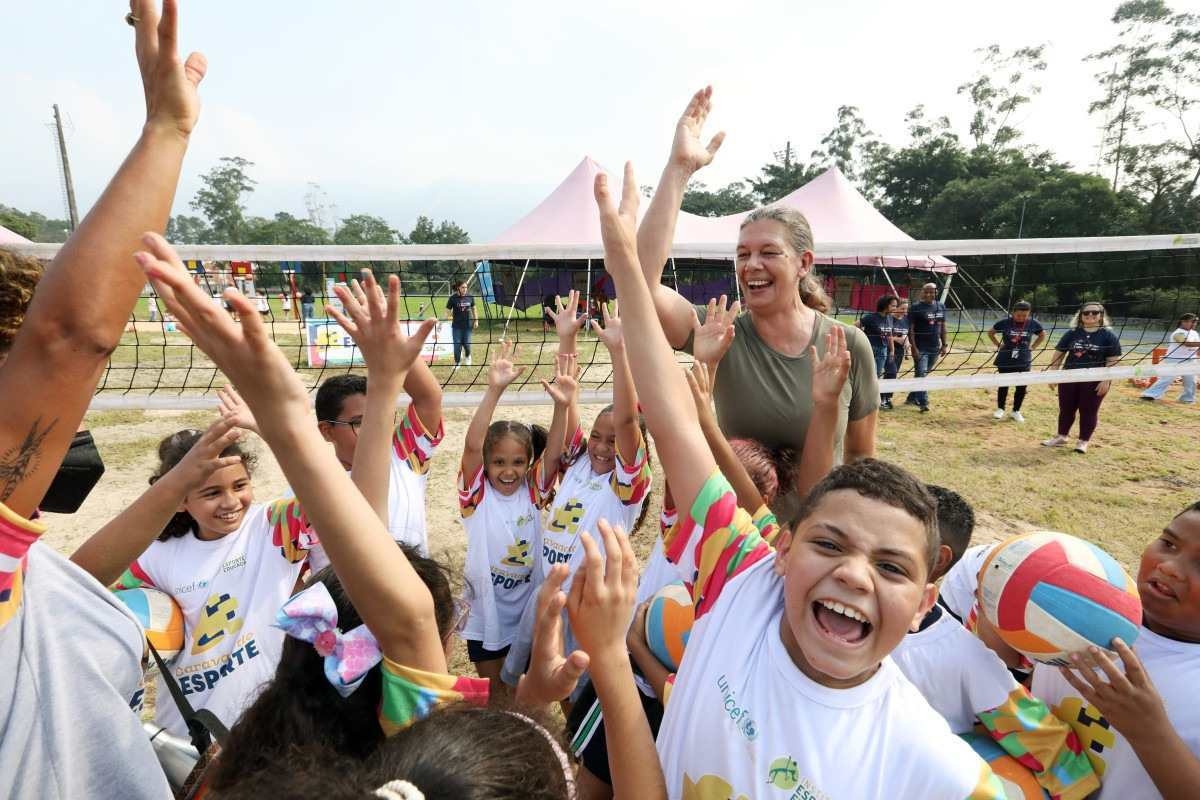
pixel 1185 342
pixel 505 479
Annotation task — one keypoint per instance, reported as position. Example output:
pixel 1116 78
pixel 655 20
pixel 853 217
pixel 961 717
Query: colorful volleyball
pixel 669 623
pixel 1018 781
pixel 1050 595
pixel 160 617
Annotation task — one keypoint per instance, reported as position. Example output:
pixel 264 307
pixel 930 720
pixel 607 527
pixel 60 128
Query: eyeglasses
pixel 354 424
pixel 1091 312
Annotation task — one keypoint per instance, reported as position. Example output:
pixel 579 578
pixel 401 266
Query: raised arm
pixel 422 386
pixel 382 585
pixel 500 376
pixel 829 376
pixel 84 300
pixel 625 399
pixel 668 408
pixel 108 551
pixel 700 383
pixel 657 232
pixel 564 391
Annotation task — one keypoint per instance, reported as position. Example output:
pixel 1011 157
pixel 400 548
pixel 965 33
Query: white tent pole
pixel 674 275
pixel 736 288
pixel 889 280
pixel 946 288
pixel 587 296
pixel 513 307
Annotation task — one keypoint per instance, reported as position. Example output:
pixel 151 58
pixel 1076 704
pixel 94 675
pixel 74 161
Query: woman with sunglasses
pixel 1089 343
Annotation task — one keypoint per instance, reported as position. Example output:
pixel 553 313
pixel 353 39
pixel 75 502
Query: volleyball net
pixel 1145 283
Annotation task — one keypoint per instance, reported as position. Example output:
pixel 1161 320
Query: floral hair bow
pixel 311 616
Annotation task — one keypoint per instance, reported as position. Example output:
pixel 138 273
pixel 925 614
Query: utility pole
pixel 786 155
pixel 68 184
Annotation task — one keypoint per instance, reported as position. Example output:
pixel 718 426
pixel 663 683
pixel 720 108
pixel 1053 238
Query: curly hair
pixel 19 276
pixel 299 707
pixel 171 451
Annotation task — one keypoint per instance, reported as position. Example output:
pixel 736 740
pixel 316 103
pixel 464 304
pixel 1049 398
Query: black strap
pixel 203 726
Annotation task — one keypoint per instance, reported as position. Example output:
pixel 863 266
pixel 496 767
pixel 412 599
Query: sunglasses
pixel 1091 312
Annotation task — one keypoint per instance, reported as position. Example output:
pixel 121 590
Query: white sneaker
pixel 998 413
pixel 468 361
pixel 1017 416
pixel 1056 441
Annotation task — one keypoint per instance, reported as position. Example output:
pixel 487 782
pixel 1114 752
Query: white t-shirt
pixel 658 572
pixel 1174 667
pixel 955 671
pixel 957 591
pixel 742 720
pixel 229 591
pixel 501 534
pixel 584 498
pixel 1178 351
pixel 413 447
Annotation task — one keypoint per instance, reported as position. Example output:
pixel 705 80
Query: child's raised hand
pixel 611 334
pixel 829 373
pixel 565 386
pixel 205 456
pixel 699 379
pixel 714 336
pixel 243 351
pixel 567 320
pixel 618 223
pixel 232 407
pixel 550 676
pixel 1127 700
pixel 600 604
pixel 686 150
pixel 503 372
pixel 373 323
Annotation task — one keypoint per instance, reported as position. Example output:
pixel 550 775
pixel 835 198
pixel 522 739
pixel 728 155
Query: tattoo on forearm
pixel 18 462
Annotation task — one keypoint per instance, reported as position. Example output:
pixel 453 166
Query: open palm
pixel 687 151
pixel 830 371
pixel 503 371
pixel 714 336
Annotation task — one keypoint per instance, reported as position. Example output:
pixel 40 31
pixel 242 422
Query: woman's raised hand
pixel 686 150
pixel 565 386
pixel 168 83
pixel 504 371
pixel 829 372
pixel 714 336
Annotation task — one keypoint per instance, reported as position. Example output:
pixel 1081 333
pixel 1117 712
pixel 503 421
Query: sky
pixel 474 111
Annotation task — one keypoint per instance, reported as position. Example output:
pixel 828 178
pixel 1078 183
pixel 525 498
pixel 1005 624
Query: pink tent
pixel 8 237
pixel 568 215
pixel 838 213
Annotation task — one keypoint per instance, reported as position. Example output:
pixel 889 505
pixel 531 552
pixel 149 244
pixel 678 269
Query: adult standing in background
pixel 462 321
pixel 1015 338
pixel 306 304
pixel 877 326
pixel 1088 344
pixel 285 302
pixel 1184 343
pixel 897 329
pixel 927 337
pixel 763 389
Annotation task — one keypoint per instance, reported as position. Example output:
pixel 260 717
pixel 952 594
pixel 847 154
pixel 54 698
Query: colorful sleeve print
pixel 989 786
pixel 1045 745
pixel 470 492
pixel 767 524
pixel 409 695
pixel 291 531
pixel 575 446
pixel 413 443
pixel 17 535
pixel 134 577
pixel 668 686
pixel 631 481
pixel 541 485
pixel 714 543
pixel 667 519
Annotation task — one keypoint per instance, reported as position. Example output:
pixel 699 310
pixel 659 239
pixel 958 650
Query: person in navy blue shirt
pixel 897 329
pixel 462 321
pixel 878 326
pixel 927 335
pixel 1015 338
pixel 1089 343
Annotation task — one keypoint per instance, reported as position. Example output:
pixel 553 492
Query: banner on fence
pixel 328 345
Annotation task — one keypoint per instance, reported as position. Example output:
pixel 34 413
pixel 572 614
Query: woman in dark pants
pixel 1015 339
pixel 897 328
pixel 1089 343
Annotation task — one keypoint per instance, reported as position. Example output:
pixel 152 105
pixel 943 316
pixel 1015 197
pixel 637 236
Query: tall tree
pixel 446 232
pixel 184 229
pixel 779 177
pixel 1004 83
pixel 850 146
pixel 283 229
pixel 365 229
pixel 220 199
pixel 729 199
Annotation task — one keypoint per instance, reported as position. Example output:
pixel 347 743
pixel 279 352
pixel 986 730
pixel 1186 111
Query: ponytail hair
pixel 531 437
pixel 800 238
pixel 171 451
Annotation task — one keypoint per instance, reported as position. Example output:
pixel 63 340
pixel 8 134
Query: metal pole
pixel 1012 280
pixel 66 166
